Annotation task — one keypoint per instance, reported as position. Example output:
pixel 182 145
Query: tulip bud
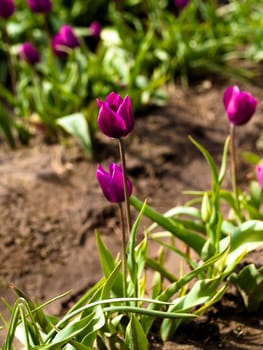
pixel 29 53
pixel 259 172
pixel 95 29
pixel 115 116
pixel 111 183
pixel 180 4
pixel 7 8
pixel 239 105
pixel 65 39
pixel 40 6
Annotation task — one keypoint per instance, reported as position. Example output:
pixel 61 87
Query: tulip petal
pixel 239 105
pixel 247 107
pixel 125 110
pixel 116 189
pixel 112 183
pixel 259 172
pixel 231 101
pixel 110 123
pixel 113 100
pixel 103 179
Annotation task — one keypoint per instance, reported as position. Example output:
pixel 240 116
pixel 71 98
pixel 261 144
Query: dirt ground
pixel 50 206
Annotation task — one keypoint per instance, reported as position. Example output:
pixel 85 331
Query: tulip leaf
pixel 76 125
pixel 209 160
pixel 135 337
pixel 108 265
pixel 194 240
pixel 250 284
pixel 90 324
pixel 247 237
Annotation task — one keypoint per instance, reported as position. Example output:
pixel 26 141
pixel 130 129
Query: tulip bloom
pixel 64 39
pixel 259 173
pixel 115 116
pixel 111 183
pixel 29 53
pixel 95 29
pixel 40 6
pixel 239 105
pixel 7 8
pixel 180 4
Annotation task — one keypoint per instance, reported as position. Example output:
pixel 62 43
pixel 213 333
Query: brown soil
pixel 50 205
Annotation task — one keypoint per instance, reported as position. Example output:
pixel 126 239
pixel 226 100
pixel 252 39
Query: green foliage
pixel 211 234
pixel 250 283
pixel 76 125
pixel 143 45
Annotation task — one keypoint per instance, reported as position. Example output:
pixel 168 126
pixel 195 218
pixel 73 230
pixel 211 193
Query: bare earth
pixel 50 206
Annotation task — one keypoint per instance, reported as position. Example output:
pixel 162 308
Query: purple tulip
pixel 29 53
pixel 65 39
pixel 115 116
pixel 111 183
pixel 259 172
pixel 40 6
pixel 95 29
pixel 7 8
pixel 180 4
pixel 239 105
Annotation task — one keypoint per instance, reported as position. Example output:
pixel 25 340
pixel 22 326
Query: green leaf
pixel 224 161
pixel 131 251
pixel 194 240
pixel 200 293
pixel 256 194
pixel 90 324
pixel 206 209
pixel 135 338
pixel 251 158
pixel 76 125
pixel 209 160
pixel 108 265
pixel 247 237
pixel 250 284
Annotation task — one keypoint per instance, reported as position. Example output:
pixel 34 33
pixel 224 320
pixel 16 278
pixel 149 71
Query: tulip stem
pixel 10 60
pixel 128 215
pixel 125 185
pixel 234 166
pixel 124 256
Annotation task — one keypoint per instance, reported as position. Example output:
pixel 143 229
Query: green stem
pixel 234 166
pixel 124 256
pixel 10 60
pixel 125 185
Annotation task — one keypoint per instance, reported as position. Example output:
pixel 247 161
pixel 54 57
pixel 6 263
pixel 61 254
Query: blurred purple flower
pixel 239 105
pixel 111 183
pixel 95 29
pixel 180 4
pixel 29 53
pixel 259 172
pixel 40 6
pixel 7 8
pixel 115 118
pixel 65 39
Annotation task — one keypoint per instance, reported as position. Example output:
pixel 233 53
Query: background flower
pixel 115 116
pixel 259 172
pixel 40 6
pixel 7 8
pixel 95 29
pixel 180 4
pixel 111 183
pixel 64 39
pixel 239 105
pixel 29 53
